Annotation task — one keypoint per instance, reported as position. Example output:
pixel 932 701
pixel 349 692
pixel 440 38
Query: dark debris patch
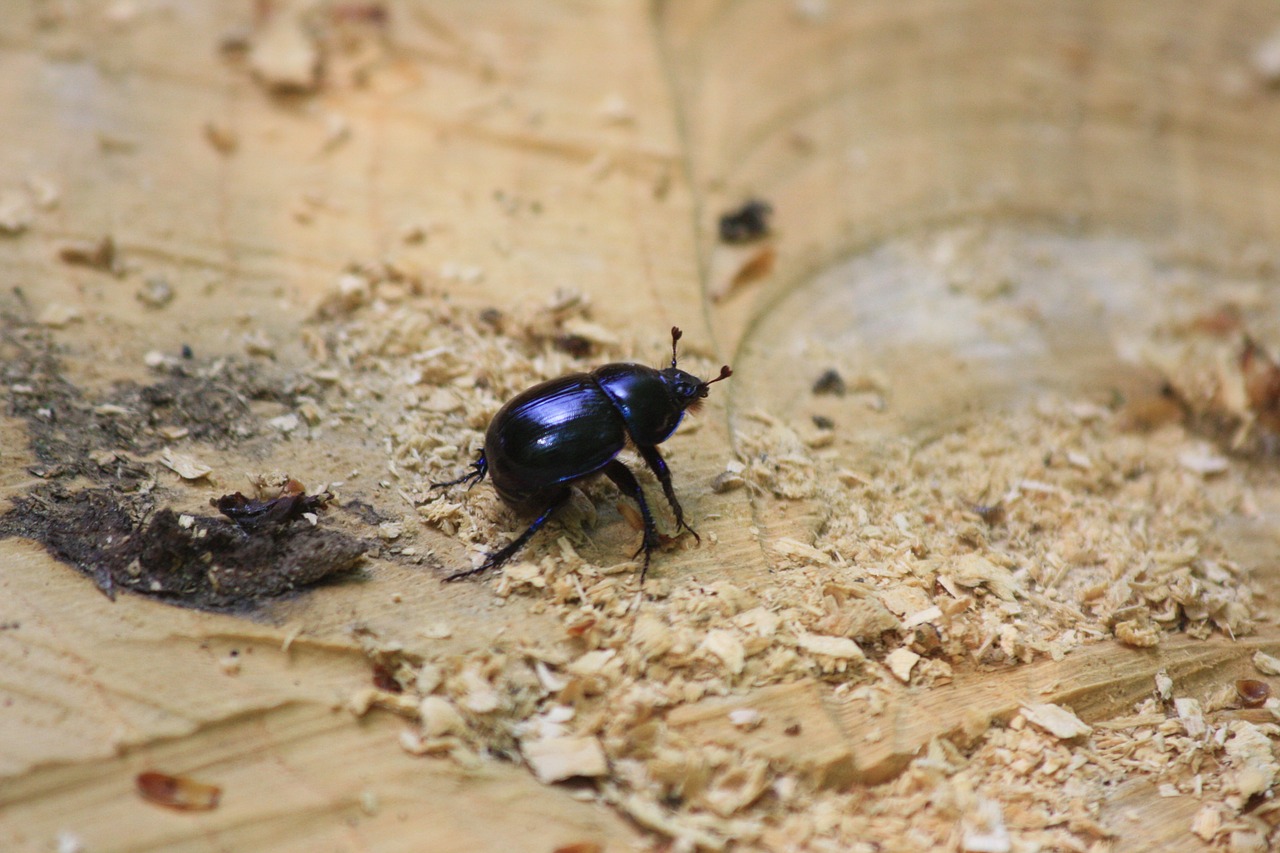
pixel 68 426
pixel 831 383
pixel 746 224
pixel 197 561
pixel 292 504
pixel 112 525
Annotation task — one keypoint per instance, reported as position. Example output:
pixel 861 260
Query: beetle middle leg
pixel 658 466
pixel 478 469
pixel 627 484
pixel 497 558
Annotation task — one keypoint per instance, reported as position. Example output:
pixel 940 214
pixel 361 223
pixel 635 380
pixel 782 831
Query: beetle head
pixel 689 390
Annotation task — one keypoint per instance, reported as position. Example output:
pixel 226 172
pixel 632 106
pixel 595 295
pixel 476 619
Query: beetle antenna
pixel 725 372
pixel 676 335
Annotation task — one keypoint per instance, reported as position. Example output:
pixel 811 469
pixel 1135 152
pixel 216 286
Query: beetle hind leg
pixel 479 469
pixel 658 466
pixel 497 558
pixel 626 483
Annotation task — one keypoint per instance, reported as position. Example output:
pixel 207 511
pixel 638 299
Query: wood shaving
pixel 974 570
pixel 440 717
pixel 284 56
pixel 728 648
pixel 16 212
pixel 185 465
pixel 1056 720
pixel 557 759
pixel 1266 664
pixel 900 662
pixel 1191 716
pixel 834 647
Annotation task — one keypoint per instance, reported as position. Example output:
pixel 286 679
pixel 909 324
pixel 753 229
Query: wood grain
pixel 551 145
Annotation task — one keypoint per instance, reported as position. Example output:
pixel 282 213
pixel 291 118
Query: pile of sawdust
pixel 1011 537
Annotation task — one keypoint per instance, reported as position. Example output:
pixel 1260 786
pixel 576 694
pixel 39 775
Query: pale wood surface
pixel 876 119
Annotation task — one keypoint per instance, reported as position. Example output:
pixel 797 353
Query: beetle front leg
pixel 658 466
pixel 479 468
pixel 507 552
pixel 626 483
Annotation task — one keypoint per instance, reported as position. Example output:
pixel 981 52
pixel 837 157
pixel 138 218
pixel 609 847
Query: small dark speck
pixel 746 224
pixel 574 345
pixel 792 729
pixel 823 422
pixel 384 679
pixel 830 382
pixel 187 352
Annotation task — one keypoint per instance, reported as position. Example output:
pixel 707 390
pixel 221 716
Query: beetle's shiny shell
pixel 550 434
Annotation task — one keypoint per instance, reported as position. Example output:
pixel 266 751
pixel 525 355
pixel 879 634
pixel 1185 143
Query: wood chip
pixel 835 647
pixel 184 465
pixel 900 662
pixel 441 401
pixel 177 792
pixel 737 788
pixel 986 832
pixel 1056 720
pixel 98 255
pixel 1203 461
pixel 1191 716
pixel 440 717
pixel 1266 664
pixel 929 614
pixel 588 331
pixel 903 599
pixel 16 212
pixel 726 646
pixel 746 718
pixel 557 759
pixel 284 57
pixel 973 570
pixel 1207 822
pixel 791 548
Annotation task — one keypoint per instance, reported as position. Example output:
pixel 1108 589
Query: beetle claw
pixel 457 576
pixel 497 558
pixel 479 469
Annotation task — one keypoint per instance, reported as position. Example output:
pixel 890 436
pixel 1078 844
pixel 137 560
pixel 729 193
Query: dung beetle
pixel 556 433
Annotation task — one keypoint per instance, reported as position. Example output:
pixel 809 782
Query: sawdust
pixel 1010 536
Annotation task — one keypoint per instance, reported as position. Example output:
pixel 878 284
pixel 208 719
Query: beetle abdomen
pixel 552 433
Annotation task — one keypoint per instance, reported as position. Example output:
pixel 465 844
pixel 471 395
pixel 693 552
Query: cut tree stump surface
pixel 247 242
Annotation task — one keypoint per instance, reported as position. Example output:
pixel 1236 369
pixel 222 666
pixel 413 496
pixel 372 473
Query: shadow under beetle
pixel 556 433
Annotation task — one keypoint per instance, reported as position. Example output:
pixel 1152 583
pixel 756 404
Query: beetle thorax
pixel 645 398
